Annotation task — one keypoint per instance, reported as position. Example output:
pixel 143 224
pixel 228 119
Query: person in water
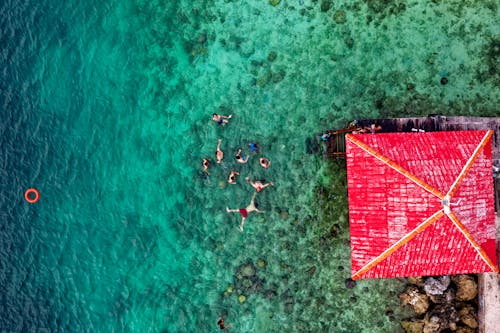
pixel 325 137
pixel 232 177
pixel 254 147
pixel 206 164
pixel 264 162
pixel 219 154
pixel 220 119
pixel 222 325
pixel 252 207
pixel 258 184
pixel 239 158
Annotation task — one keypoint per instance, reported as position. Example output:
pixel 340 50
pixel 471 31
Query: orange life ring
pixel 32 191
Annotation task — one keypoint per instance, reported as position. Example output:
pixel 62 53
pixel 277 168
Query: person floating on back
pixel 221 120
pixel 219 154
pixel 232 177
pixel 252 207
pixel 264 162
pixel 239 158
pixel 258 184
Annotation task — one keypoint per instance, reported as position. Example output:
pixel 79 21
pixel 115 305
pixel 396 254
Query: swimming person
pixel 258 185
pixel 264 162
pixel 206 164
pixel 219 154
pixel 222 325
pixel 325 137
pixel 252 207
pixel 221 120
pixel 232 177
pixel 239 158
pixel 254 147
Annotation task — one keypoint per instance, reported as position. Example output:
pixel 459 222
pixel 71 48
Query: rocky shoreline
pixel 441 304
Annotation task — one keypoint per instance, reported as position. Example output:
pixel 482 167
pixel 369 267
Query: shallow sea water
pixel 106 109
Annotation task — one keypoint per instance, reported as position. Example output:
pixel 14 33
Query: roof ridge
pixel 472 240
pixel 384 159
pixel 465 170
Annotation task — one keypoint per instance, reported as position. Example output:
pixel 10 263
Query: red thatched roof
pixel 421 203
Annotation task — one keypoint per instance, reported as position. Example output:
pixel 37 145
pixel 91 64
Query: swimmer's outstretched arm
pixel 242 223
pixel 232 210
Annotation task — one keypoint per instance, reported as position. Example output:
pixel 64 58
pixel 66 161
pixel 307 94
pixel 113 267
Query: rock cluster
pixel 441 304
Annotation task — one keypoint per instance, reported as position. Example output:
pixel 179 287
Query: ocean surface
pixel 106 107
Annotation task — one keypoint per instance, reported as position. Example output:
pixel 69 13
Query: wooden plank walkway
pixel 489 297
pixel 427 124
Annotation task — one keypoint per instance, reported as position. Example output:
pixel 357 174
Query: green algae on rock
pixel 326 5
pixel 339 16
pixel 274 2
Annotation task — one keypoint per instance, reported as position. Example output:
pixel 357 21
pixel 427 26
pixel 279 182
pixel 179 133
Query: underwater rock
pixel 413 326
pixel 270 294
pixel 416 280
pixel 445 315
pixel 248 270
pixel 334 231
pixel 247 283
pixel 418 301
pixel 444 80
pixel 350 283
pixel 447 297
pixel 278 76
pixel 466 287
pixel 311 270
pixel 271 56
pixel 377 5
pixel 436 286
pixel 467 316
pixel 247 48
pixel 432 324
pixel 325 5
pixel 465 329
pixel 284 214
pixel 288 307
pixel 274 2
pixel 410 86
pixel 349 42
pixel 263 80
pixel 493 59
pixel 288 300
pixel 256 63
pixel 261 263
pixel 202 38
pixel 339 16
pixel 312 147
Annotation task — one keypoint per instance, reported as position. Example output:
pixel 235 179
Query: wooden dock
pixel 335 145
pixel 489 296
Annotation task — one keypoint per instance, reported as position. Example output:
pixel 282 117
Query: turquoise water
pixel 106 109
